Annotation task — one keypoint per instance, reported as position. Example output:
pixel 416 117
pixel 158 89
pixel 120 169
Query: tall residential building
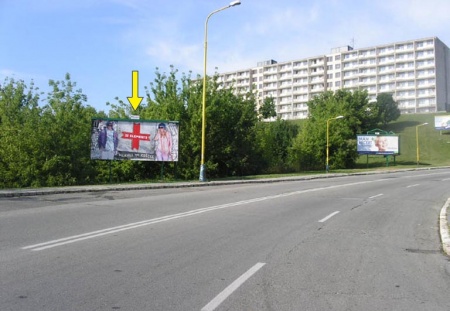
pixel 416 72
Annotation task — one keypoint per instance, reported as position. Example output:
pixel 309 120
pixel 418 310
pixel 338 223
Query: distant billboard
pixel 139 140
pixel 378 144
pixel 442 122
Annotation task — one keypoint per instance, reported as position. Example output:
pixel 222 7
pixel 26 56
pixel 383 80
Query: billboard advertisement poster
pixel 377 144
pixel 139 140
pixel 442 122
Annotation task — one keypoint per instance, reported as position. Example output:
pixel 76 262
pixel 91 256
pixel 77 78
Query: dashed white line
pixel 213 304
pixel 329 216
pixel 415 185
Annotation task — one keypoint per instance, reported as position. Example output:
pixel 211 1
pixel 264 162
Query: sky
pixel 100 42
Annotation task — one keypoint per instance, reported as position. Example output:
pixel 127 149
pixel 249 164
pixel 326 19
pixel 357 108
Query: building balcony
pixel 425 65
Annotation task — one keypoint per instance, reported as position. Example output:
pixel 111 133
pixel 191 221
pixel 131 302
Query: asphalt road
pixel 368 242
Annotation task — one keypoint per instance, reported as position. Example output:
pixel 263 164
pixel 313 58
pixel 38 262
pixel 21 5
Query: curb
pixel 444 229
pixel 123 187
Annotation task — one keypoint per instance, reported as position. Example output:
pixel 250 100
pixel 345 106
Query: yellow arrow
pixel 135 100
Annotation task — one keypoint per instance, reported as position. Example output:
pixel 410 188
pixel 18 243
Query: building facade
pixel 415 72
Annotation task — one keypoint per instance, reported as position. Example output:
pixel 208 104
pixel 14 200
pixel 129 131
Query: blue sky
pixel 100 42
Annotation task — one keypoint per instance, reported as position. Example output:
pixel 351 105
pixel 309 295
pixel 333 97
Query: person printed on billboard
pixel 446 124
pixel 164 143
pixel 381 143
pixel 108 140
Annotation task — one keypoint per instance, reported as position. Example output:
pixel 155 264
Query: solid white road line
pixel 213 304
pixel 375 196
pixel 329 216
pixel 93 234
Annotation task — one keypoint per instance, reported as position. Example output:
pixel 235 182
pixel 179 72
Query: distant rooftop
pixel 342 49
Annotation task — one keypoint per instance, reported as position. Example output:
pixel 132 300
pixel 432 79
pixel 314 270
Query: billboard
pixel 442 122
pixel 139 140
pixel 378 144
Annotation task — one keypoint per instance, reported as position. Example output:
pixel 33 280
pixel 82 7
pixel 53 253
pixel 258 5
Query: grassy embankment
pixel 434 145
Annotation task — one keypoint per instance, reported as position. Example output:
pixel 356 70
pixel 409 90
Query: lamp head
pixel 238 2
pixel 339 117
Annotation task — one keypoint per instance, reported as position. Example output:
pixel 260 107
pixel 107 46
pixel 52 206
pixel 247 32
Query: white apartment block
pixel 416 72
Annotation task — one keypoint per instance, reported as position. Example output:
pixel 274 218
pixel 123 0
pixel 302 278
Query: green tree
pixel 65 136
pixel 230 132
pixel 309 148
pixel 274 139
pixel 388 110
pixel 267 109
pixel 19 118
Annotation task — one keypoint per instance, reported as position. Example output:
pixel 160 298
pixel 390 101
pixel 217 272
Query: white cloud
pixel 173 53
pixel 429 14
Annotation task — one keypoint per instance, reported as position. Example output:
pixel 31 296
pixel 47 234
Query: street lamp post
pixel 327 168
pixel 202 159
pixel 417 141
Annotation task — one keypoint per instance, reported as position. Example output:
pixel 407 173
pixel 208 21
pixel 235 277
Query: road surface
pixel 365 242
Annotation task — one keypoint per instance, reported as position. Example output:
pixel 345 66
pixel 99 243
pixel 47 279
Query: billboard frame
pixel 378 133
pixel 127 141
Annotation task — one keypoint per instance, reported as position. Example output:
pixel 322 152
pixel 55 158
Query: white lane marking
pixel 446 179
pixel 213 304
pixel 93 234
pixel 415 185
pixel 376 196
pixel 98 233
pixel 329 216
